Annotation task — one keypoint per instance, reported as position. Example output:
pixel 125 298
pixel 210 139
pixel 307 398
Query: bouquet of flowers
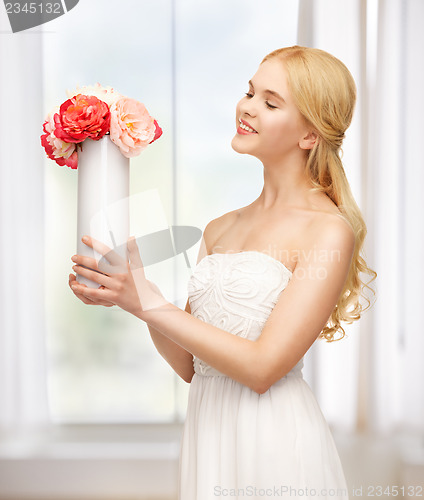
pixel 92 112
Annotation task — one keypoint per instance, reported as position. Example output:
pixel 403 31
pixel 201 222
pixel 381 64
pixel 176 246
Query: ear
pixel 309 140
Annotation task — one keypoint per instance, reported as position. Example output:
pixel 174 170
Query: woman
pixel 253 426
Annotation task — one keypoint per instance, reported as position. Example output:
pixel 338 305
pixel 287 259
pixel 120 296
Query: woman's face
pixel 269 125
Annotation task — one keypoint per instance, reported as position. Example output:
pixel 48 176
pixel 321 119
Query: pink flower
pixel 80 117
pixel 131 126
pixel 61 152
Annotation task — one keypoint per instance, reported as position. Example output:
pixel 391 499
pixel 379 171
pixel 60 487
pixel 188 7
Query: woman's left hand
pixel 123 283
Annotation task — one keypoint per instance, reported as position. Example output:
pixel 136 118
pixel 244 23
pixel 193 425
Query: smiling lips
pixel 244 128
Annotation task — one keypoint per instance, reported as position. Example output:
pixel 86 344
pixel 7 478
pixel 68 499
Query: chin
pixel 239 148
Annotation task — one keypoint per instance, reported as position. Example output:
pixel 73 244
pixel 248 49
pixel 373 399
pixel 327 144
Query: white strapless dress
pixel 237 443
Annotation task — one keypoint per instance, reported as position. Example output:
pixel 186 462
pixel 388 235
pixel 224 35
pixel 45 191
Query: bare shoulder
pixel 329 232
pixel 336 228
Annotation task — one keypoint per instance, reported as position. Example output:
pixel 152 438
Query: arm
pixel 176 356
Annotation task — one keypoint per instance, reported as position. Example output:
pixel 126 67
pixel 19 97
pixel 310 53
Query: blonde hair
pixel 325 94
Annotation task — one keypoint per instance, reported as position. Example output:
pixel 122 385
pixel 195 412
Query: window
pixel 190 65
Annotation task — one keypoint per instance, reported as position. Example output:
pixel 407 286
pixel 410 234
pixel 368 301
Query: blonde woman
pixel 272 277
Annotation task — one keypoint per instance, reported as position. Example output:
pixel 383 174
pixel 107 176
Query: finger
pixel 134 254
pixel 102 266
pixel 104 250
pixel 72 280
pixel 82 297
pixel 99 278
pixel 95 294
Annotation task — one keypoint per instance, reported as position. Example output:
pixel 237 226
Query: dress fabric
pixel 237 443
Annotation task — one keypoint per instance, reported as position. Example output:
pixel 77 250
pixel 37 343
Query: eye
pixel 249 95
pixel 270 106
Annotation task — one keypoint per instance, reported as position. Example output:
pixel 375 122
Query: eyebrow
pixel 272 92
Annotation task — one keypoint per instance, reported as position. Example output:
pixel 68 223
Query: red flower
pixel 158 132
pixel 80 117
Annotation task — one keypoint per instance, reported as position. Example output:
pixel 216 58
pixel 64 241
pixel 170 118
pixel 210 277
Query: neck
pixel 285 184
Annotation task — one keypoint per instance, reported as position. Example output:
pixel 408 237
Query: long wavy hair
pixel 325 94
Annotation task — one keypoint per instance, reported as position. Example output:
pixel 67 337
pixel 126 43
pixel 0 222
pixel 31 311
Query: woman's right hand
pixel 86 300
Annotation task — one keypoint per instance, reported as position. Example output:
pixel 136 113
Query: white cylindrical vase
pixel 103 198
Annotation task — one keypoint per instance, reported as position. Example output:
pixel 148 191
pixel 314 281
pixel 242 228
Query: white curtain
pixel 23 383
pixel 379 367
pixel 397 104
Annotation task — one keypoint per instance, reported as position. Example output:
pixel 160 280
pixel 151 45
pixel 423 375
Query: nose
pixel 247 106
